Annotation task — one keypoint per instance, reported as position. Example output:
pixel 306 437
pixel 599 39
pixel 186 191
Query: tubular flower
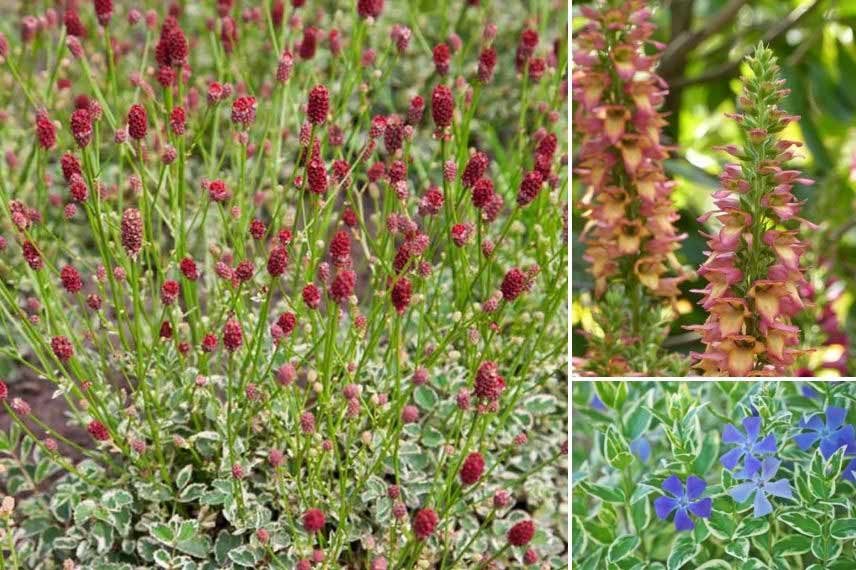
pixel 627 204
pixel 753 268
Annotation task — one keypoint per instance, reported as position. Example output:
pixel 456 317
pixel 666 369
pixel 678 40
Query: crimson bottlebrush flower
pixel 4 391
pixel 277 261
pixel 311 296
pixel 165 330
pixel 529 38
pixel 340 249
pixel 103 10
pixel 416 110
pixel 410 414
pixel 244 271
pixel 169 292
pixel 432 202
pixel 514 283
pixel 171 49
pixel 209 343
pixel 188 268
pixel 45 130
pixel 71 280
pixel 318 105
pixel 754 269
pixel 287 321
pixel 62 348
pixel 284 67
pixel 137 122
pixel 32 256
pixel 487 64
pixel 93 301
pixel 461 234
pixel 630 232
pixel 521 533
pixel 400 295
pixel 257 229
pixel 98 431
pixel 73 26
pixel 237 471
pixel 309 43
pixel 369 8
pixel 530 186
pixel 307 423
pixel 81 127
pixel 472 468
pixel 70 166
pixel 442 56
pixel 317 177
pixel 313 520
pixel 218 191
pixel 489 384
pixel 244 111
pixel 393 134
pixel 177 121
pixel 275 458
pixel 482 192
pixel 349 218
pixel 400 36
pixel 233 336
pixel 132 231
pixel 475 169
pixel 442 106
pixel 228 34
pixel 424 523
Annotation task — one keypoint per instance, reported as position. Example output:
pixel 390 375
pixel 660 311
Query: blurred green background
pixel 706 41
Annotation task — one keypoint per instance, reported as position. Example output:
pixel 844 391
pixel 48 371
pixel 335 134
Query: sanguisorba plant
pixel 630 237
pixel 267 260
pixel 713 475
pixel 753 269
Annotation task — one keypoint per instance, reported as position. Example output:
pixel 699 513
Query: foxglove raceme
pixel 753 268
pixel 630 232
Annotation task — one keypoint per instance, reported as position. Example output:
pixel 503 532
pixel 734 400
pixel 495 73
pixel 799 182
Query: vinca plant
pixel 283 284
pixel 714 475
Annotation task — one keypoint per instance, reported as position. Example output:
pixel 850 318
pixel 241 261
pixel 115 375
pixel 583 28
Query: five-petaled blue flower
pixel 597 404
pixel 747 444
pixel 760 475
pixel 832 435
pixel 683 502
pixel 641 448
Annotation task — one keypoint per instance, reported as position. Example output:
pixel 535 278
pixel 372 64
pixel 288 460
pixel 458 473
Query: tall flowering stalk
pixel 629 236
pixel 753 269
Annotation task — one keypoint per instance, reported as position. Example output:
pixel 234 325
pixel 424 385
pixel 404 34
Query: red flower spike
pixel 521 533
pixel 98 431
pixel 137 122
pixel 424 523
pixel 313 520
pixel 442 106
pixel 318 105
pixel 472 468
pixel 132 232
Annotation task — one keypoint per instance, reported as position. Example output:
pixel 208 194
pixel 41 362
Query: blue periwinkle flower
pixel 683 502
pixel 597 404
pixel 760 475
pixel 747 444
pixel 832 435
pixel 641 449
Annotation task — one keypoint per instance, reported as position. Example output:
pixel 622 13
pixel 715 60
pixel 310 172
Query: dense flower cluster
pixel 630 230
pixel 754 269
pixel 290 289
